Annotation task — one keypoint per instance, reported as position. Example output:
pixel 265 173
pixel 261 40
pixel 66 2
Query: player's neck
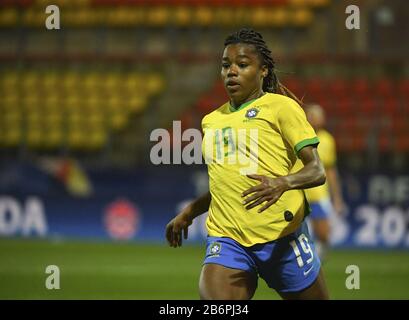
pixel 250 99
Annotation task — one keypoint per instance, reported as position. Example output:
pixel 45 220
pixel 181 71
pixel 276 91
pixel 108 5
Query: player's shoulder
pixel 277 102
pixel 215 113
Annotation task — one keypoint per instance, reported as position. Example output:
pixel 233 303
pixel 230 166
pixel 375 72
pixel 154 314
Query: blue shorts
pixel 288 264
pixel 321 209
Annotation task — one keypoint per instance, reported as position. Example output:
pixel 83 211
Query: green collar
pixel 243 105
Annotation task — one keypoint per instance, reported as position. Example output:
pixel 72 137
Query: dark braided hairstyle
pixel 270 82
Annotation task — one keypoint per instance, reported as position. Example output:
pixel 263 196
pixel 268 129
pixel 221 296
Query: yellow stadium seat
pixel 224 16
pixel 50 81
pixel 259 17
pixel 90 81
pixel 279 17
pixel 14 113
pixel 34 138
pixel 30 101
pixel 302 17
pixel 53 119
pixel 137 103
pixel 10 100
pixel 52 101
pixel 11 137
pixel 72 101
pixel 9 81
pixel 118 120
pixel 94 102
pixel 111 81
pixel 33 17
pixel 54 138
pixel 34 118
pixel 182 16
pixel 115 102
pixel 203 16
pixel 76 139
pixel 299 3
pixel 157 16
pixel 96 120
pixel 74 120
pixel 96 140
pixel 29 80
pixel 318 3
pixel 154 84
pixel 62 3
pixel 70 80
pixel 8 17
pixel 133 81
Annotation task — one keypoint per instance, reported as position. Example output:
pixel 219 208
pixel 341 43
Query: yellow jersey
pixel 327 153
pixel 262 137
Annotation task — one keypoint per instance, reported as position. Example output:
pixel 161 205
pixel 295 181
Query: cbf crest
pixel 252 113
pixel 215 248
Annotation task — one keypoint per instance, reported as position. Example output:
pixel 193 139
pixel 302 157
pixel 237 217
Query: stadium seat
pixel 390 106
pixel 383 87
pixel 204 16
pixel 402 143
pixel 8 17
pixel 360 87
pixel 338 88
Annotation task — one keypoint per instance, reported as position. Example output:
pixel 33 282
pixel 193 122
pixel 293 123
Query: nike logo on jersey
pixel 308 271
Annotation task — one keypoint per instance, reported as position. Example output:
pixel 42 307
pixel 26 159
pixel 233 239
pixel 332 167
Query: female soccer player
pixel 256 207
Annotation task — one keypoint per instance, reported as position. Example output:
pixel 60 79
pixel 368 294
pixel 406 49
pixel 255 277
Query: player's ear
pixel 264 71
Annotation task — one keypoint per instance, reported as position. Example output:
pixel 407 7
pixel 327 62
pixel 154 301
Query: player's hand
pixel 339 207
pixel 175 227
pixel 269 190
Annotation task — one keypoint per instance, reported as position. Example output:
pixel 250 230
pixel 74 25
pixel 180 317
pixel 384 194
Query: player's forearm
pixel 311 175
pixel 198 206
pixel 334 185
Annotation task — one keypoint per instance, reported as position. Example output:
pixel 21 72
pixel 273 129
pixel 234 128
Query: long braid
pixel 270 82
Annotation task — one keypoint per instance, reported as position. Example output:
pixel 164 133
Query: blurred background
pixel 78 105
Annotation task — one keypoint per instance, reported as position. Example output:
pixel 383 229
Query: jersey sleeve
pixel 329 157
pixel 295 128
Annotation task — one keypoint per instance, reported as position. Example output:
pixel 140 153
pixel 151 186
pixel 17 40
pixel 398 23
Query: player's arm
pixel 185 218
pixel 271 189
pixel 335 189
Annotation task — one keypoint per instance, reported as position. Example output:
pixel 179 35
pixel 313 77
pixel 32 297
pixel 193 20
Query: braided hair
pixel 270 82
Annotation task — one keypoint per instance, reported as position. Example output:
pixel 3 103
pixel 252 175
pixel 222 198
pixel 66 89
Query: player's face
pixel 242 73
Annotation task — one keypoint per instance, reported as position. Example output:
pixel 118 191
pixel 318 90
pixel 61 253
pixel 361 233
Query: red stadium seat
pixel 360 87
pixel 367 106
pixel 390 106
pixel 338 88
pixel 403 87
pixel 385 142
pixel 314 87
pixel 295 85
pixel 383 87
pixel 343 107
pixel 219 89
pixel 402 143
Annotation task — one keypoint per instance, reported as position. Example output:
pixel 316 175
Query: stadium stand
pixel 71 109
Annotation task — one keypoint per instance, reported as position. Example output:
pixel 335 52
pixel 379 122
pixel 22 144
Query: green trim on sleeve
pixel 306 142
